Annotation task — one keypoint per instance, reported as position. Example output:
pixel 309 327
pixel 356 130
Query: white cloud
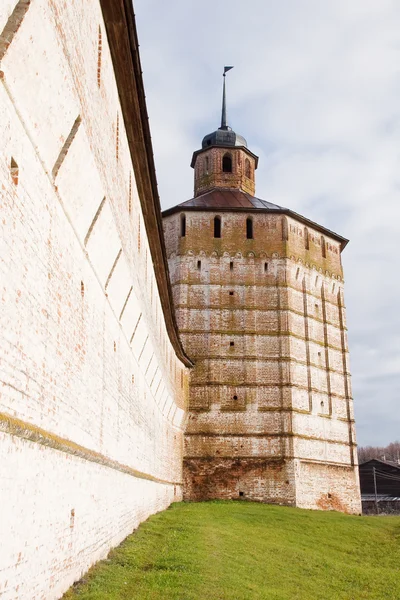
pixel 316 92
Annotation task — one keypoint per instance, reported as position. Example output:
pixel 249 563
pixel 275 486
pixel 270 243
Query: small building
pixel 385 475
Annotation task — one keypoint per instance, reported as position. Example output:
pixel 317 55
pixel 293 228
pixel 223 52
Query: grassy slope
pixel 243 551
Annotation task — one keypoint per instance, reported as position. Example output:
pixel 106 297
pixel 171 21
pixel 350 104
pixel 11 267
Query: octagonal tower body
pixel 258 294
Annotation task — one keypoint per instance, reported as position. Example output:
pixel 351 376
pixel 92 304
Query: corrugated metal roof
pixel 380 498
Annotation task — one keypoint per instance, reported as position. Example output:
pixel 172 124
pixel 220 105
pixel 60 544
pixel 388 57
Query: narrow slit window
pixel 217 227
pixel 227 163
pixel 207 164
pixel 231 266
pixel 266 267
pixel 183 225
pixel 306 240
pixel 199 264
pixel 14 170
pixel 249 228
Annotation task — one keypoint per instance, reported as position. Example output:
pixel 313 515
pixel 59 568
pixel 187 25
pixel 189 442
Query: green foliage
pixel 244 551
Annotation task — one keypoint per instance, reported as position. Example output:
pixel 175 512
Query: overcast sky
pixel 316 93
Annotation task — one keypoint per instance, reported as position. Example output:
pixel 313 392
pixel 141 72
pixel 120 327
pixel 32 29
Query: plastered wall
pixel 92 395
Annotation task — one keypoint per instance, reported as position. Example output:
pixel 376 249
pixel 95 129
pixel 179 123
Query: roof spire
pixel 223 116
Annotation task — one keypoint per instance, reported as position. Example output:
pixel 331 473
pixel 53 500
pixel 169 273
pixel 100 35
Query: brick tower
pixel 258 293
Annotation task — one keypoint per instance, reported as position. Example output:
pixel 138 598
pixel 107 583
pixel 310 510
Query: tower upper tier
pixel 224 160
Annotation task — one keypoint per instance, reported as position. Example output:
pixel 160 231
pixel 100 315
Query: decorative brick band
pixel 32 433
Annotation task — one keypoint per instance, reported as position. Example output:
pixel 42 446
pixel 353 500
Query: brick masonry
pixel 270 406
pixel 92 394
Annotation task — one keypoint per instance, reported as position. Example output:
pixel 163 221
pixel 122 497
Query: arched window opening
pixel 227 163
pixel 183 225
pixel 247 168
pixel 217 227
pixel 249 228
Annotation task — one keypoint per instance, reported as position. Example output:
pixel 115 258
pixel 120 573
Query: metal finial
pixel 223 116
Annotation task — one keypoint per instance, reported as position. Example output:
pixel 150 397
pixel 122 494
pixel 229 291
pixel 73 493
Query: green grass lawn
pixel 243 551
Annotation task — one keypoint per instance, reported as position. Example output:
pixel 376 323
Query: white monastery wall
pixel 92 394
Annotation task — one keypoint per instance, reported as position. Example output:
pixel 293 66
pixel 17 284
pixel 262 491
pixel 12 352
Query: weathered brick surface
pixel 208 171
pixel 92 395
pixel 264 321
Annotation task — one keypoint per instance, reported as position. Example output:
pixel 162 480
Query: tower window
pixel 249 228
pixel 247 168
pixel 231 343
pixel 207 164
pixel 227 163
pixel 265 267
pixel 217 227
pixel 231 293
pixel 183 225
pixel 231 265
pixel 199 264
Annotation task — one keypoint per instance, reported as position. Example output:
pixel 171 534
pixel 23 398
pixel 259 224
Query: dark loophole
pixel 227 164
pixel 249 229
pixel 241 494
pixel 231 266
pixel 235 397
pixel 199 264
pixel 217 227
pixel 231 343
pixel 231 293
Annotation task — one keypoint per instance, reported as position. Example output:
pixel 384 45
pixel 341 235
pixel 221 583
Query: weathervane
pixel 223 117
